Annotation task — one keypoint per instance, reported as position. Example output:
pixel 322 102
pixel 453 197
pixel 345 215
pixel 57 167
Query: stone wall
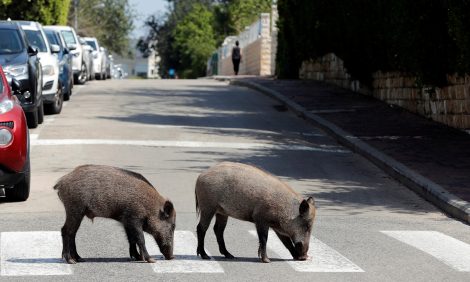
pixel 448 105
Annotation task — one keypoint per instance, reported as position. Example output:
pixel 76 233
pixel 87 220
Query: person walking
pixel 236 57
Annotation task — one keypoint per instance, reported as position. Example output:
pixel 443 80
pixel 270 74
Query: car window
pixel 1 86
pixel 92 43
pixel 68 37
pixel 10 41
pixel 52 37
pixel 35 39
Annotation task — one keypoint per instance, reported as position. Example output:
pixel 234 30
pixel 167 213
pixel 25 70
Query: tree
pixel 110 21
pixel 47 12
pixel 243 13
pixel 194 38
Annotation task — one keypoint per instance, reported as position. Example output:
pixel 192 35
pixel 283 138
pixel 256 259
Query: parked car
pixel 15 173
pixel 87 57
pixel 109 64
pixel 65 61
pixel 20 61
pixel 51 89
pixel 99 58
pixel 79 67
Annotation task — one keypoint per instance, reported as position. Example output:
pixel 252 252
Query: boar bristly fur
pixel 247 193
pixel 122 195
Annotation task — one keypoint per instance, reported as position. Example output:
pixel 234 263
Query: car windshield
pixel 10 41
pixel 92 43
pixel 35 39
pixel 68 37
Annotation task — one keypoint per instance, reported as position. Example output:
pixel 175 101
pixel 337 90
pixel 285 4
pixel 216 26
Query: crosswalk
pixel 38 253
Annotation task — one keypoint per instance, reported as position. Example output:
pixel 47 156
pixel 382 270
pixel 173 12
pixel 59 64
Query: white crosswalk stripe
pixel 450 251
pixel 38 253
pixel 322 258
pixel 185 261
pixel 32 253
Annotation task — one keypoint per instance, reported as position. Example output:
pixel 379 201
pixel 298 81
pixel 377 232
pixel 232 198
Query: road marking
pixel 32 253
pixel 184 243
pixel 448 250
pixel 322 258
pixel 33 136
pixel 186 144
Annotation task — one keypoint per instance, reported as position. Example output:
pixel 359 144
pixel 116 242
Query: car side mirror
pixel 55 48
pixel 72 47
pixel 32 51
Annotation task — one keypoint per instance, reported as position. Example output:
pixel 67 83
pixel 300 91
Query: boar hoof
pixel 265 260
pixel 151 260
pixel 228 255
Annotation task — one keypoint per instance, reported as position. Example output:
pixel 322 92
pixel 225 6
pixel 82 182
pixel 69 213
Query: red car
pixel 15 171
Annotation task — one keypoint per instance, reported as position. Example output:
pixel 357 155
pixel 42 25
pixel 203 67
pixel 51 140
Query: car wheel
pixel 20 192
pixel 32 118
pixel 41 113
pixel 56 107
pixel 82 77
pixel 104 76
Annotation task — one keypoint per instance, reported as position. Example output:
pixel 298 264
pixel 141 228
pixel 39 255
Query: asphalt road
pixel 368 227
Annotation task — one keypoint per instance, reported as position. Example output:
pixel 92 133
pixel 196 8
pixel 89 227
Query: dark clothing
pixel 236 65
pixel 236 58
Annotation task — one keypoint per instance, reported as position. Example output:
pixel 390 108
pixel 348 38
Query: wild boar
pixel 123 195
pixel 247 193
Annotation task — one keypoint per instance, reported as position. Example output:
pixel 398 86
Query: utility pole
pixel 75 11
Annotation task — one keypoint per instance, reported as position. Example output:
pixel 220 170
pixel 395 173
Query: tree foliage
pixel 110 21
pixel 428 38
pixel 195 39
pixel 47 12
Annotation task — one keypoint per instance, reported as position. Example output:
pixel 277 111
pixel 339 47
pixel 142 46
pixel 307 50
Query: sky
pixel 145 8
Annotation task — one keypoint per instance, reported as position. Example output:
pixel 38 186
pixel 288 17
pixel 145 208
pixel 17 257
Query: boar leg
pixel 288 244
pixel 134 254
pixel 263 231
pixel 135 235
pixel 204 223
pixel 219 227
pixel 69 232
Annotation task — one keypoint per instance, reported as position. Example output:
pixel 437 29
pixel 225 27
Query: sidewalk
pixel 429 158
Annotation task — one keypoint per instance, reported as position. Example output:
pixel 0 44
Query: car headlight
pixel 17 70
pixel 48 70
pixel 5 136
pixel 5 106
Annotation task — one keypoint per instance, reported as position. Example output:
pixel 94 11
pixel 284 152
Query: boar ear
pixel 167 209
pixel 311 201
pixel 304 207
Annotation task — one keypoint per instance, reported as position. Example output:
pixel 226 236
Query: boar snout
pixel 301 250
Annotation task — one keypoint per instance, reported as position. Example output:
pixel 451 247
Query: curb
pixel 426 188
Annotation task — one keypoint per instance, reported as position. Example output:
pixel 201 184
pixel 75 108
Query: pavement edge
pixel 429 190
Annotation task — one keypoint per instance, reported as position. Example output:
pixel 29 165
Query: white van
pixel 51 90
pixel 80 71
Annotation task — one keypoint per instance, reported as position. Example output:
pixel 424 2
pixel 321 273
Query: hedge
pixel 427 38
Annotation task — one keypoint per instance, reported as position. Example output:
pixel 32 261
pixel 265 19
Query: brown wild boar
pixel 250 194
pixel 123 195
